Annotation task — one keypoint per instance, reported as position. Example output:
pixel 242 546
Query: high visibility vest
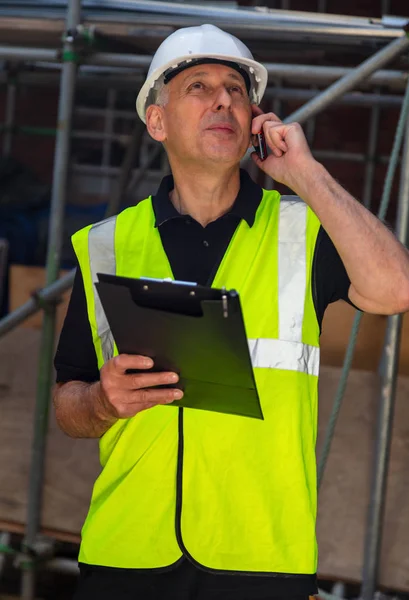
pixel 229 492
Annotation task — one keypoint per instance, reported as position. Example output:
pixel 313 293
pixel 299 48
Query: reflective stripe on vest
pixel 101 246
pixel 287 353
pixel 292 226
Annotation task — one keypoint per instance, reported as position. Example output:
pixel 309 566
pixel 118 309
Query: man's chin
pixel 223 155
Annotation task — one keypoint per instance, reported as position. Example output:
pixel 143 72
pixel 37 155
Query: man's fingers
pixel 155 396
pixel 128 393
pixel 273 117
pixel 259 121
pixel 146 380
pixel 148 398
pixel 123 362
pixel 274 136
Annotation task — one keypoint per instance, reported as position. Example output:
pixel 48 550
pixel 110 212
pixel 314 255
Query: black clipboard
pixel 196 331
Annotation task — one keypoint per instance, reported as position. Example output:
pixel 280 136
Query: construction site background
pixel 102 126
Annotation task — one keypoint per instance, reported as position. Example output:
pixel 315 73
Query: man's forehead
pixel 208 71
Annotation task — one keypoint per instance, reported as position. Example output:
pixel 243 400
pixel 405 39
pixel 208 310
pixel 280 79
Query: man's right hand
pixel 124 395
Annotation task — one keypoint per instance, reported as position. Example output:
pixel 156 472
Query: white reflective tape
pixel 268 353
pixel 101 248
pixel 291 267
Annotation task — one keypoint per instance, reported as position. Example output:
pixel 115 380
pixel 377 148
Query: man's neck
pixel 205 195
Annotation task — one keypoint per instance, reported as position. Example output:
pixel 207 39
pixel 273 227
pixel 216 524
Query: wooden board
pixel 26 280
pixel 336 329
pixel 72 466
pixel 345 493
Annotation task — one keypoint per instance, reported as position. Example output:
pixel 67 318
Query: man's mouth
pixel 222 127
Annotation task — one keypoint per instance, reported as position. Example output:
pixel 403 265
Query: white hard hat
pixel 195 45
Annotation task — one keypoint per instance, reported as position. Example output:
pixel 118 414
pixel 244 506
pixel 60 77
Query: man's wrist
pixel 101 405
pixel 305 181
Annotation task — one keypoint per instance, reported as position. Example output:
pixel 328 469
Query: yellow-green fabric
pixel 247 488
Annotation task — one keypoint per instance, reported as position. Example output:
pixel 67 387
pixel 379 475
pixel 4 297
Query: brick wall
pixel 37 107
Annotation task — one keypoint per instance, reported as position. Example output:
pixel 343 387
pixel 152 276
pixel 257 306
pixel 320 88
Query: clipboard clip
pixel 224 303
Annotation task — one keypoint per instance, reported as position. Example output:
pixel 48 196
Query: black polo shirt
pixel 194 254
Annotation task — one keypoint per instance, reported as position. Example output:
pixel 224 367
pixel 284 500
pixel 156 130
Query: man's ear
pixel 155 122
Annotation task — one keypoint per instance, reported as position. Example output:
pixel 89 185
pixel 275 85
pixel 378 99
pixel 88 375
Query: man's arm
pixel 78 409
pixel 88 410
pixel 376 263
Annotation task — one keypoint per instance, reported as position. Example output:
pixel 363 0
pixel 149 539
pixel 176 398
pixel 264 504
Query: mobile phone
pixel 261 148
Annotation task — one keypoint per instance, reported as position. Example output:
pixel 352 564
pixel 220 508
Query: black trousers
pixel 184 582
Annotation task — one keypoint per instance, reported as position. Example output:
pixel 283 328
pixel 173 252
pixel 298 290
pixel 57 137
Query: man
pixel 192 504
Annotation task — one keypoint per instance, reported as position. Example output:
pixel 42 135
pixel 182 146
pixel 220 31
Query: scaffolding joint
pixel 6 549
pixel 33 555
pixel 44 303
pixel 81 40
pixel 21 560
pixel 29 556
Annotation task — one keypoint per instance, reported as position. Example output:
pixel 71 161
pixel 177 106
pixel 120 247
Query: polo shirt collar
pixel 245 206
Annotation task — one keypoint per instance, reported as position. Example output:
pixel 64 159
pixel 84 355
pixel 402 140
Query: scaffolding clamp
pixel 44 303
pixel 26 559
pixel 81 39
pixel 32 555
pixel 21 560
pixel 5 549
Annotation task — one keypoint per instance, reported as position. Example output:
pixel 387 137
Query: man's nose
pixel 222 99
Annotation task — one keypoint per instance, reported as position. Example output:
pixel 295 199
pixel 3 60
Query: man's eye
pixel 197 85
pixel 236 88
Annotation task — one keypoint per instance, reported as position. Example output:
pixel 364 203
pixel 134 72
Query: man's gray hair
pixel 162 96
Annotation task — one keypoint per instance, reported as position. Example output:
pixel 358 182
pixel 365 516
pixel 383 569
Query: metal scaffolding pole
pixel 371 155
pixel 339 88
pixel 385 7
pixel 126 169
pixel 310 127
pixel 75 134
pixel 312 123
pixel 352 99
pixel 262 18
pixel 306 73
pixel 51 293
pixel 386 406
pixel 108 135
pixel 325 74
pixel 44 384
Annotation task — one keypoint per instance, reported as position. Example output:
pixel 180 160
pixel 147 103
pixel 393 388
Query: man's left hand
pixel 290 156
